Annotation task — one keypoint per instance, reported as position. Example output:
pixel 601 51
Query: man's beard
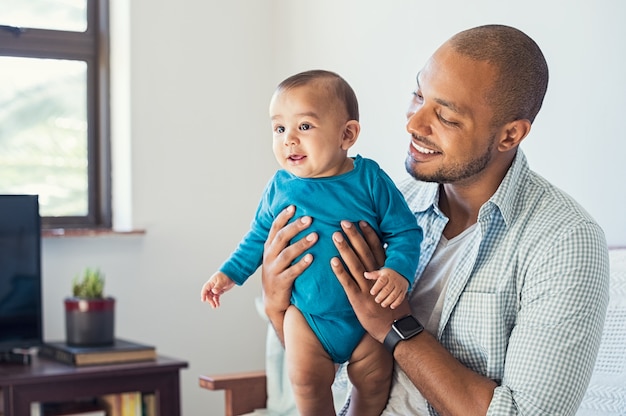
pixel 455 173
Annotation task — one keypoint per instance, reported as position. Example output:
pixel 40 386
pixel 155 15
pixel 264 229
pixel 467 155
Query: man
pixel 512 286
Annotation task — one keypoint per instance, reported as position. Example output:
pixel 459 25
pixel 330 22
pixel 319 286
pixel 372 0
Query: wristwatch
pixel 402 329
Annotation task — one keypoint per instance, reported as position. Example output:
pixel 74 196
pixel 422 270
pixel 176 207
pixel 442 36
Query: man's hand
pixel 363 253
pixel 278 273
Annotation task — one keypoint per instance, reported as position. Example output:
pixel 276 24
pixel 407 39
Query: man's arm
pixel 450 387
pixel 278 273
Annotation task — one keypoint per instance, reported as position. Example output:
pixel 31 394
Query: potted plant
pixel 89 315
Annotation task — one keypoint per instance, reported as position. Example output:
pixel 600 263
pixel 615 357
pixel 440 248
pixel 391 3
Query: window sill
pixel 86 232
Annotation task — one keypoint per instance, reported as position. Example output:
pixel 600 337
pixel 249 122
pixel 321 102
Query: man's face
pixel 449 119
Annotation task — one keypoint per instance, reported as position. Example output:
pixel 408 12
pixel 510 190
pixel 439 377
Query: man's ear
pixel 513 133
pixel 350 134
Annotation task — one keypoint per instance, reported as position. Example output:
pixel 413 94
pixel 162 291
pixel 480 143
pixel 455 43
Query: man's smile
pixel 422 149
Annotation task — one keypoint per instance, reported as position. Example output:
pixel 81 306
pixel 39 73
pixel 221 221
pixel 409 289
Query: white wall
pixel 201 76
pixel 577 140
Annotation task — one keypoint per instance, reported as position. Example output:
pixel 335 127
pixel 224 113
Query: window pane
pixel 68 15
pixel 43 133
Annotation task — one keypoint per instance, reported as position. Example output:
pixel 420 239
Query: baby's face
pixel 309 129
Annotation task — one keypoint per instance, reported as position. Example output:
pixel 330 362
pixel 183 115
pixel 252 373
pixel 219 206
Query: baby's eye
pixel 305 126
pixel 279 129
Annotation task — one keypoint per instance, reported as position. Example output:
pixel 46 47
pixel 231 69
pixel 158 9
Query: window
pixel 54 110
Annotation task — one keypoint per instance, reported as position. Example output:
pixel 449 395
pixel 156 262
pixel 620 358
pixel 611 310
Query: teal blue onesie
pixel 365 193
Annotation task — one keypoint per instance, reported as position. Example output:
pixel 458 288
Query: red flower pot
pixel 89 322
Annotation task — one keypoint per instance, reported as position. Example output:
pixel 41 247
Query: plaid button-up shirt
pixel 525 305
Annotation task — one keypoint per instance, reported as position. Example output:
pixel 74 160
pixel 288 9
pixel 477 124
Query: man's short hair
pixel 522 79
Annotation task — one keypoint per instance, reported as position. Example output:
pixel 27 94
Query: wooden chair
pixel 244 392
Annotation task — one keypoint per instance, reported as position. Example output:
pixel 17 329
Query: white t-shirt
pixel 426 300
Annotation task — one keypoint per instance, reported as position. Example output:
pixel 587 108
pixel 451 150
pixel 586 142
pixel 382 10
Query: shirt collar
pixel 504 199
pixel 506 195
pixel 430 198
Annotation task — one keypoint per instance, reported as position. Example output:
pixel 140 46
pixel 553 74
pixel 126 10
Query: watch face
pixel 408 326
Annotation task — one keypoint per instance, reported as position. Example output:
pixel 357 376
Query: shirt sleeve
pixel 399 228
pixel 553 345
pixel 248 255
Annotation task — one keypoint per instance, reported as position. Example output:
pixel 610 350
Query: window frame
pixel 91 46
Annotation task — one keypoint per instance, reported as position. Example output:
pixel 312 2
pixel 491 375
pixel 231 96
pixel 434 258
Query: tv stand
pixel 50 381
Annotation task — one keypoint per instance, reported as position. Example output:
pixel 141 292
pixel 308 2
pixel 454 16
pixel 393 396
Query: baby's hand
pixel 214 288
pixel 390 287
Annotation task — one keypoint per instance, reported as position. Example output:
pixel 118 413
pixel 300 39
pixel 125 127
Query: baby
pixel 315 120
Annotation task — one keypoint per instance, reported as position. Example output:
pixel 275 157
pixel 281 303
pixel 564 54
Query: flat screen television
pixel 20 272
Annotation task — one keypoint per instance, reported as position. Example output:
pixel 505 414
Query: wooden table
pixel 49 381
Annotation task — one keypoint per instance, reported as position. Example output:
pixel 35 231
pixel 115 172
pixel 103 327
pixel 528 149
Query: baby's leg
pixel 311 370
pixel 370 370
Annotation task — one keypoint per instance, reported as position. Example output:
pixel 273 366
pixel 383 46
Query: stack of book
pixel 121 404
pixel 75 408
pixel 130 404
pixel 122 351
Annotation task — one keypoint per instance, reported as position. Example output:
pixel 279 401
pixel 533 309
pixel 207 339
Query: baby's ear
pixel 350 134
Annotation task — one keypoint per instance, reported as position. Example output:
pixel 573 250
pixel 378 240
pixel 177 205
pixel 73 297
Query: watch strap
pixel 397 333
pixel 391 340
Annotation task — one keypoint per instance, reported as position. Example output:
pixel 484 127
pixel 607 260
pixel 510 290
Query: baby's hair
pixel 336 84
